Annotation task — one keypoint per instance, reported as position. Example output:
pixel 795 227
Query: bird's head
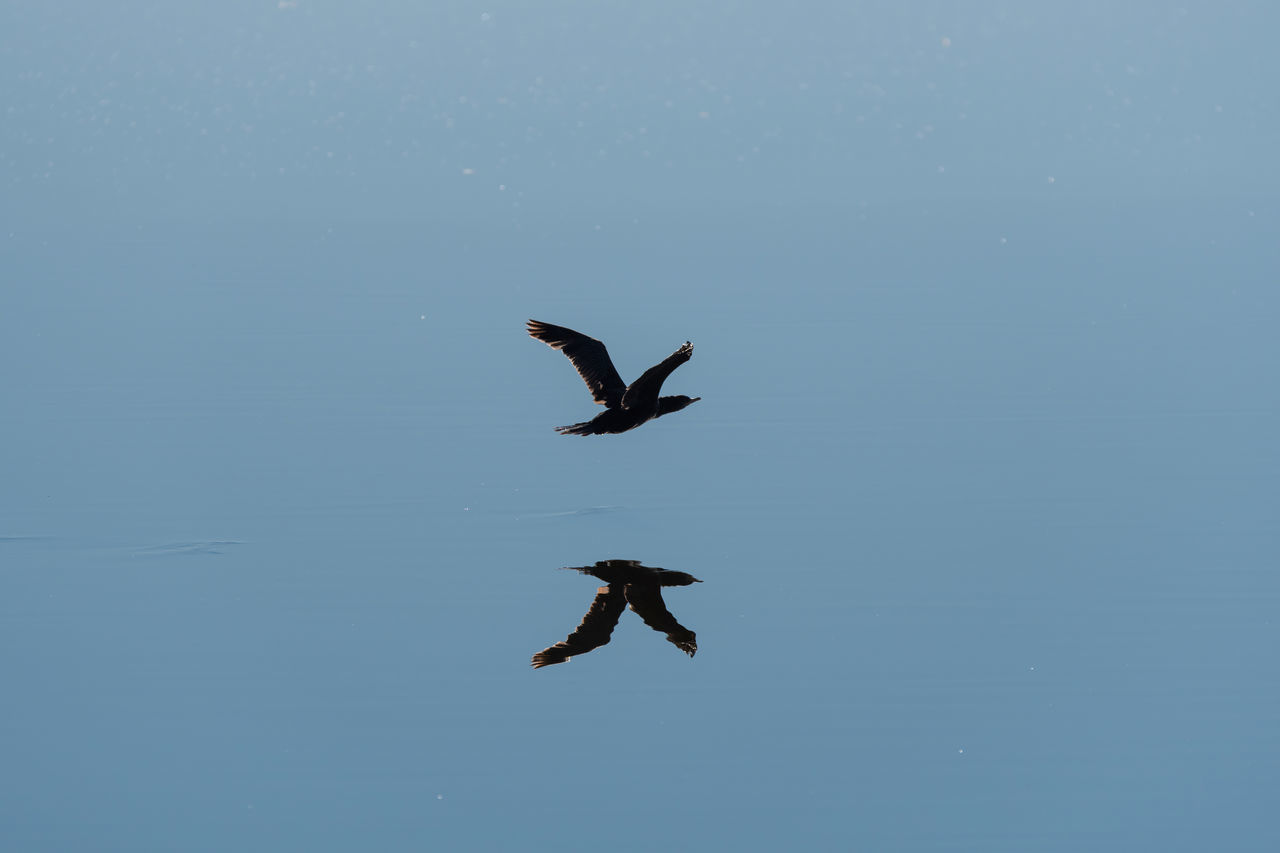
pixel 667 405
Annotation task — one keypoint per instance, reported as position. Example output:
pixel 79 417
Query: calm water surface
pixel 982 487
pixel 987 543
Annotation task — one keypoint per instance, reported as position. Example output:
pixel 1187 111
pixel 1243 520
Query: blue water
pixel 982 487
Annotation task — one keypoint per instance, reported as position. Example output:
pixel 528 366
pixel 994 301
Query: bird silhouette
pixel 628 583
pixel 626 406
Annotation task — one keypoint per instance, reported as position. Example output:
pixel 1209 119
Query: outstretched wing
pixel 596 628
pixel 646 600
pixel 644 391
pixel 589 358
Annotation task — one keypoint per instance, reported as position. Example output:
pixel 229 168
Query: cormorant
pixel 626 407
pixel 628 583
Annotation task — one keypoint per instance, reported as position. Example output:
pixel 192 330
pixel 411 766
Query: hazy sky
pixel 411 110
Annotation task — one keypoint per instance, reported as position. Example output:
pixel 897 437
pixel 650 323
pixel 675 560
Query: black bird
pixel 628 583
pixel 626 407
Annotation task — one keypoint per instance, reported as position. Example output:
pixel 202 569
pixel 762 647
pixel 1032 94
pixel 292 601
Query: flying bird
pixel 628 583
pixel 626 406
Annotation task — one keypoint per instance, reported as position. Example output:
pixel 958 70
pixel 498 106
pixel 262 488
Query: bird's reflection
pixel 628 583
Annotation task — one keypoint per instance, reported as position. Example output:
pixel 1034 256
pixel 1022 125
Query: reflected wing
pixel 644 391
pixel 594 632
pixel 646 600
pixel 589 358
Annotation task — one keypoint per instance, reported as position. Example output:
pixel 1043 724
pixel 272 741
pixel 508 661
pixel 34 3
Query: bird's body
pixel 626 406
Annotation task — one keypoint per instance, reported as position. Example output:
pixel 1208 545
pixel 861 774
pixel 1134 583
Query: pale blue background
pixel 983 485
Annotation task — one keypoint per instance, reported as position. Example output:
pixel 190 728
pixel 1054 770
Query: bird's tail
pixel 583 428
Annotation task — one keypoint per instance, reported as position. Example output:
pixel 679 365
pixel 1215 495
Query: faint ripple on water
pixel 210 546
